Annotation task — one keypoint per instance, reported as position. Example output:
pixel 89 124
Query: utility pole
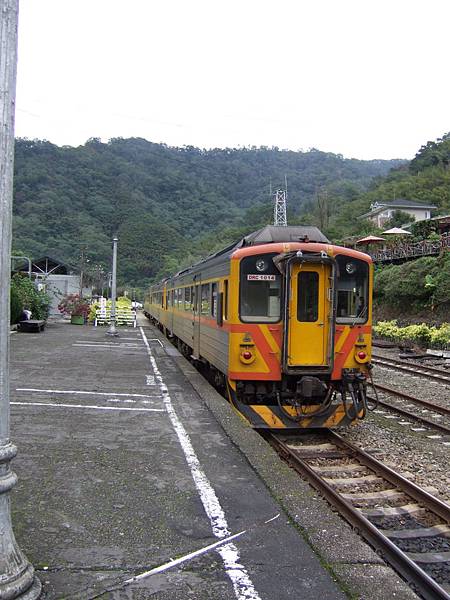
pixel 17 578
pixel 112 328
pixel 83 263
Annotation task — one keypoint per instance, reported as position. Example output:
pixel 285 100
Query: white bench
pixel 124 316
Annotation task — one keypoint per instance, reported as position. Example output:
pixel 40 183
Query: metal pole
pixel 81 272
pixel 112 328
pixel 17 578
pixel 24 258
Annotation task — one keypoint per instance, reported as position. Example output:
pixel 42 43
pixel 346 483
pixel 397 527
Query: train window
pixel 308 296
pixel 187 298
pixel 205 301
pixel 214 299
pixel 260 291
pixel 225 299
pixel 352 290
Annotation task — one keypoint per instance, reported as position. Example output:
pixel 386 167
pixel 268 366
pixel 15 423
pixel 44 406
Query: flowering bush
pixel 438 337
pixel 122 304
pixel 74 305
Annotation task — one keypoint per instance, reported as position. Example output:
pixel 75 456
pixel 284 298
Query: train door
pixel 170 302
pixel 196 320
pixel 309 308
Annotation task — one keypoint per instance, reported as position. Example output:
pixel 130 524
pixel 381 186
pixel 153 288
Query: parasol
pixel 370 239
pixel 396 231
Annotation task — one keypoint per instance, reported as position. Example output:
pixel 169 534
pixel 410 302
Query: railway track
pixel 415 369
pixel 409 526
pixel 416 408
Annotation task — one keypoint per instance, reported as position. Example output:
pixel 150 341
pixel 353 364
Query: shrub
pixel 30 297
pixel 122 303
pixel 16 305
pixel 421 283
pixel 438 337
pixel 74 305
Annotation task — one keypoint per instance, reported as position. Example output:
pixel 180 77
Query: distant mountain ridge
pixel 166 204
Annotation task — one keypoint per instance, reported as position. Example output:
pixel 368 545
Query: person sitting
pixel 25 315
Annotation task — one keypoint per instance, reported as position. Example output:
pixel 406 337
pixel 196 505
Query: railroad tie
pixel 441 530
pixel 389 511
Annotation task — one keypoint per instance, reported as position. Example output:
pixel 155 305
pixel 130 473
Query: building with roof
pixel 381 211
pixel 56 278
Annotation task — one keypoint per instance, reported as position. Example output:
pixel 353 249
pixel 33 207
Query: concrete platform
pixel 128 459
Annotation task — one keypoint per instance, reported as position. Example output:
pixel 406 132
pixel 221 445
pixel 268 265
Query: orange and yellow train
pixel 282 322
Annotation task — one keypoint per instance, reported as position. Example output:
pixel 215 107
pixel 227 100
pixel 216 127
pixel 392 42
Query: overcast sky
pixel 364 78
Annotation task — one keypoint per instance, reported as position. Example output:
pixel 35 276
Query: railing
pixel 123 317
pixel 400 251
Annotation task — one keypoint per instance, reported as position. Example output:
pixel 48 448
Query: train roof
pixel 275 234
pixel 265 236
pixel 270 234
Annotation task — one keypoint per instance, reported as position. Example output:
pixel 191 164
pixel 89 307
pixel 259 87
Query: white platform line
pixel 136 340
pixel 177 561
pixel 109 346
pixel 154 340
pixel 87 406
pixel 84 392
pixel 242 584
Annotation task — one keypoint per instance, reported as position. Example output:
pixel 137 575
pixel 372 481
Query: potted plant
pixel 74 307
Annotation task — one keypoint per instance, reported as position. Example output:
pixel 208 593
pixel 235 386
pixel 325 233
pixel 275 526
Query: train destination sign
pixel 261 277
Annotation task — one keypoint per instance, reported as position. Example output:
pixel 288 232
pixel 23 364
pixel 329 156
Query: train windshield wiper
pixel 360 315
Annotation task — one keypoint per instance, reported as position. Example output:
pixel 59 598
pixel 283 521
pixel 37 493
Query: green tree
pixel 25 293
pixel 399 218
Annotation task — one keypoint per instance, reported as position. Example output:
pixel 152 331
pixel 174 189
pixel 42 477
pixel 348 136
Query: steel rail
pixel 429 372
pixel 428 588
pixel 443 410
pixel 420 366
pixel 404 363
pixel 437 506
pixel 411 415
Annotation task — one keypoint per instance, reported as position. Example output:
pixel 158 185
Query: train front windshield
pixel 352 290
pixel 260 291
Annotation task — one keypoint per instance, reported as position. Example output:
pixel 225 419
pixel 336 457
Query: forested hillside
pixel 425 179
pixel 167 205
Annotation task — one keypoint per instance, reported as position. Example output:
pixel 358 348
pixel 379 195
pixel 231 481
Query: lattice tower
pixel 279 215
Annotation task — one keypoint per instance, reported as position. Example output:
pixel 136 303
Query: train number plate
pixel 261 277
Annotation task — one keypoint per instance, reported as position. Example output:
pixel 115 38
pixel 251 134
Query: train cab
pixel 300 354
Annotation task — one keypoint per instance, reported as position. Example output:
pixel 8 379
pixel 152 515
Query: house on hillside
pixel 381 211
pixel 55 278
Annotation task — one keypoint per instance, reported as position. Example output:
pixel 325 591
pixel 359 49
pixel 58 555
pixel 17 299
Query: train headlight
pixel 247 356
pixel 361 356
pixel 261 265
pixel 350 268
